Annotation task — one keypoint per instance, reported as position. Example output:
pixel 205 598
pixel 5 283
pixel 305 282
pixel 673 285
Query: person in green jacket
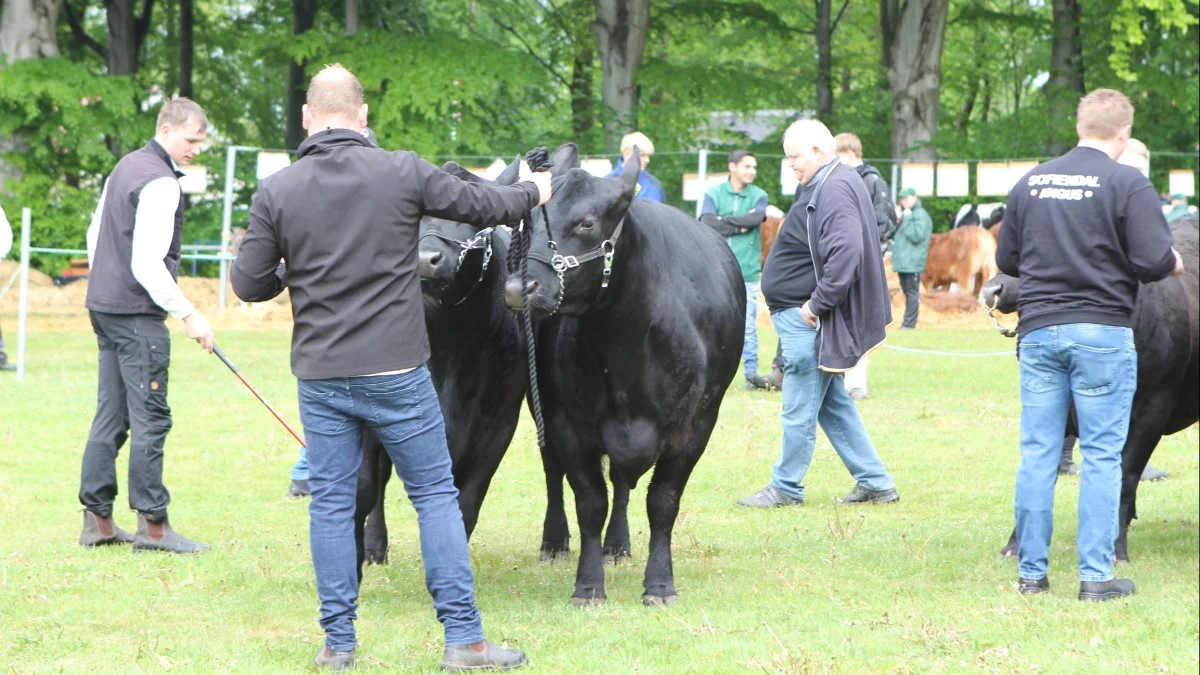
pixel 735 209
pixel 909 250
pixel 1179 207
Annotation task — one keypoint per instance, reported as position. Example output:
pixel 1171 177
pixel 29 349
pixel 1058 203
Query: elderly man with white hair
pixel 825 286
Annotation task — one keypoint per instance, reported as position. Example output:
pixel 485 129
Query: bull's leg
pixel 556 535
pixel 375 534
pixel 1066 463
pixel 591 507
pixel 616 538
pixel 662 506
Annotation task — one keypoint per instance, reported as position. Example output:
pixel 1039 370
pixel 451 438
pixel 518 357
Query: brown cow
pixel 767 233
pixel 965 256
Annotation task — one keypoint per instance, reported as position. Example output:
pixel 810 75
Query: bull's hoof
pixel 616 554
pixel 551 555
pixel 659 600
pixel 617 558
pixel 1009 552
pixel 1152 474
pixel 1068 469
pixel 375 557
pixel 589 601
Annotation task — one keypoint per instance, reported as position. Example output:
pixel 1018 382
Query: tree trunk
pixel 304 15
pixel 846 78
pixel 27 29
pixel 620 30
pixel 186 47
pixel 1066 74
pixel 583 116
pixel 987 99
pixel 824 35
pixel 122 37
pixel 916 32
pixel 351 17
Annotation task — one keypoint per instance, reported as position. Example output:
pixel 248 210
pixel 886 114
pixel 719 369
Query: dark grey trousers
pixel 911 285
pixel 135 353
pixel 3 354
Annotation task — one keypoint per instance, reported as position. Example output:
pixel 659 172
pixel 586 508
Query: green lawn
pixel 916 586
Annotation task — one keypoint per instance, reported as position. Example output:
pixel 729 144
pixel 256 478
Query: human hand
pixel 1178 262
pixel 542 180
pixel 808 316
pixel 199 330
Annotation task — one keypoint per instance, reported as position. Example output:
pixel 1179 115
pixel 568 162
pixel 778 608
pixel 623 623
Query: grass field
pixel 912 587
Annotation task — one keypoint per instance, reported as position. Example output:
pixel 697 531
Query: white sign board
pixel 918 176
pixel 953 180
pixel 270 162
pixel 693 189
pixel 997 178
pixel 597 167
pixel 788 183
pixel 1181 182
pixel 194 180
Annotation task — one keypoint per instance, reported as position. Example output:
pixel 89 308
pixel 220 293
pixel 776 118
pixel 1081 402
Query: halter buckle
pixel 565 262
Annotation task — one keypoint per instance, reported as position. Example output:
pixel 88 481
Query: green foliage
pixel 1130 23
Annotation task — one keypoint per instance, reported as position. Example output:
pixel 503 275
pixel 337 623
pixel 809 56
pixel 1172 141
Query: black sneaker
pixel 329 660
pixel 462 658
pixel 861 495
pixel 757 382
pixel 770 497
pixel 1100 591
pixel 1033 586
pixel 298 489
pixel 8 366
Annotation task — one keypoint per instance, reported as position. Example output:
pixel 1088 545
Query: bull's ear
pixel 456 169
pixel 510 173
pixel 631 170
pixel 565 158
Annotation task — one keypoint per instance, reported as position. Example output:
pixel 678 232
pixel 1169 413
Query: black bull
pixel 1167 337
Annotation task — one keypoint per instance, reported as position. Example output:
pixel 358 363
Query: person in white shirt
pixel 6 241
pixel 133 250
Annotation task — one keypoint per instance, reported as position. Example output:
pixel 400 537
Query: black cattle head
pixel 1000 291
pixel 453 255
pixel 570 237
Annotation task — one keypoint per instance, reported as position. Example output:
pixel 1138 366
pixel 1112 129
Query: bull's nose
pixel 513 295
pixel 429 260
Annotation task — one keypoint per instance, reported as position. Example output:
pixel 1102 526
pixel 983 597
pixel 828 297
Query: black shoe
pixel 1151 474
pixel 95 528
pixel 770 497
pixel 160 537
pixel 1099 591
pixel 298 489
pixel 757 382
pixel 8 366
pixel 1033 586
pixel 461 658
pixel 861 495
pixel 327 660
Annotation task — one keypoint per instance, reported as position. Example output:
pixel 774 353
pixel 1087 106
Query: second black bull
pixel 1166 334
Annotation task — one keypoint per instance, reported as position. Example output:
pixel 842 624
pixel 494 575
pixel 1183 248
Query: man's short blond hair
pixel 645 146
pixel 334 91
pixel 1102 114
pixel 848 143
pixel 182 112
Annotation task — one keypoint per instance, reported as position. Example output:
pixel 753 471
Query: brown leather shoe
pixel 101 531
pixel 153 536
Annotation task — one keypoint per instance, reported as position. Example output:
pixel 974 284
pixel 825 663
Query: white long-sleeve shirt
pixel 153 228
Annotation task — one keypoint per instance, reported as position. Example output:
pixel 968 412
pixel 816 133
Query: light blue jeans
pixel 403 410
pixel 1096 367
pixel 750 345
pixel 811 395
pixel 300 468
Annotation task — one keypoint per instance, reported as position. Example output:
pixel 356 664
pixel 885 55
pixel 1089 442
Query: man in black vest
pixel 133 249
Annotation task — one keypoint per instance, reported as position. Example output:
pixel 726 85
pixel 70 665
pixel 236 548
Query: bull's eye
pixel 586 225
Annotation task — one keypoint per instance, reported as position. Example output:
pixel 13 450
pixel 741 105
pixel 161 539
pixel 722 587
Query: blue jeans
pixel 300 468
pixel 811 395
pixel 403 410
pixel 1096 367
pixel 750 345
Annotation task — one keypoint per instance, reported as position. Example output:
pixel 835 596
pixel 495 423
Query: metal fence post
pixel 23 312
pixel 702 169
pixel 226 221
